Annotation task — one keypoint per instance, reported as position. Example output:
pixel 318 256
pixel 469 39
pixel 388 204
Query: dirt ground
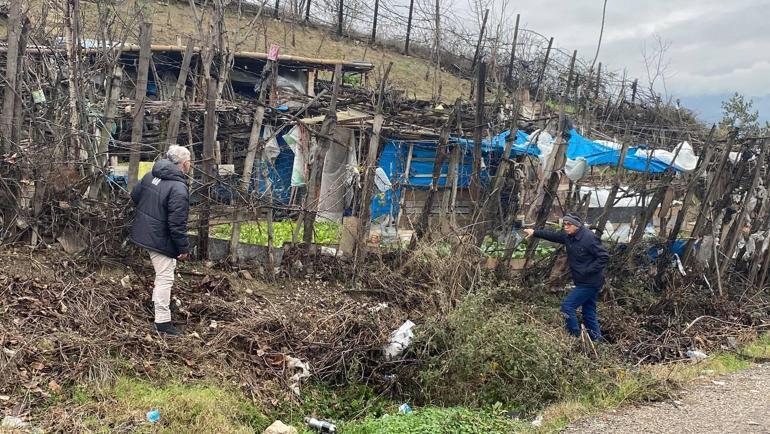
pixel 736 403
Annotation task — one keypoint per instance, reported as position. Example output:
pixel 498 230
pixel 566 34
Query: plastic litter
pixel 538 421
pixel 12 422
pixel 301 370
pixel 153 416
pixel 696 355
pixel 405 409
pixel 320 425
pixel 399 340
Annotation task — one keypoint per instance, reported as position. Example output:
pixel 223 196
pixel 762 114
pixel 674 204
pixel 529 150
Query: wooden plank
pixel 145 36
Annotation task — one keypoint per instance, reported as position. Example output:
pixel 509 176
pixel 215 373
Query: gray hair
pixel 177 154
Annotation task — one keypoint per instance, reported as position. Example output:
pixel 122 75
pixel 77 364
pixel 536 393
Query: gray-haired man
pixel 162 206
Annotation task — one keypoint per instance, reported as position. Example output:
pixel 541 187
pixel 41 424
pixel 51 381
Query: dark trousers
pixel 584 298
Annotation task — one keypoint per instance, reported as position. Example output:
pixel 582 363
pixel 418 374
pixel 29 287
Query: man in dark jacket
pixel 162 206
pixel 587 258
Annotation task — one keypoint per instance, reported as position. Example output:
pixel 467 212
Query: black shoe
pixel 149 306
pixel 166 328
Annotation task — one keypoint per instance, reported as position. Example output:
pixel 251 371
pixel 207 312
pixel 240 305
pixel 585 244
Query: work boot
pixel 166 328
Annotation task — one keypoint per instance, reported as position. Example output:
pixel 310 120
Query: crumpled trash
pixel 538 422
pixel 696 355
pixel 301 370
pixel 405 409
pixel 399 340
pixel 13 422
pixel 279 427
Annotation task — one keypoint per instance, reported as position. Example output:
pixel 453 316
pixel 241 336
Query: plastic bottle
pixel 320 425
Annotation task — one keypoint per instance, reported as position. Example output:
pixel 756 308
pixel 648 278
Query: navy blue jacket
pixel 585 254
pixel 162 206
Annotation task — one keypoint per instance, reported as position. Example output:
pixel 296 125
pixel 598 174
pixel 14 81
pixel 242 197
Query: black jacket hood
pixel 166 169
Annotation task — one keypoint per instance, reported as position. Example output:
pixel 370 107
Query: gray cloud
pixel 716 47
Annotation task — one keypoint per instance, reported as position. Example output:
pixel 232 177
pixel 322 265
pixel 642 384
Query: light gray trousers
pixel 164 280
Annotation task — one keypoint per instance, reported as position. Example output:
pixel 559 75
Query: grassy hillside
pixel 176 20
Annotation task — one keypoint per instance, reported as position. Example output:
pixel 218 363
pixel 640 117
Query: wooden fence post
pixel 599 228
pixel 307 11
pixel 374 22
pixel 438 163
pixel 314 179
pixel 137 129
pixel 733 236
pixel 11 75
pixel 700 221
pixel 542 70
pixel 172 131
pixel 97 188
pixel 209 139
pixel 481 39
pixel 340 17
pixel 408 27
pixel 475 181
pixel 251 154
pixel 365 210
pixel 560 158
pixel 513 52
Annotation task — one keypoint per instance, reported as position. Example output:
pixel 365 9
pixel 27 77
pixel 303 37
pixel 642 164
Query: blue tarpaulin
pixel 393 162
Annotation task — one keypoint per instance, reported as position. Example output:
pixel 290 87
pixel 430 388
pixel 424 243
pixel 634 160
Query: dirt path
pixel 736 403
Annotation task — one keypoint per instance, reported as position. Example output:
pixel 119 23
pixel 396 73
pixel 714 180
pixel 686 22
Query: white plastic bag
pixel 399 340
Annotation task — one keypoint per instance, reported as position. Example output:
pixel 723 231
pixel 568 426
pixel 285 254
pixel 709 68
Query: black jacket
pixel 585 254
pixel 162 205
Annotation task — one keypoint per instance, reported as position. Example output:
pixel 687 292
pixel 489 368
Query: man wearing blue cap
pixel 587 258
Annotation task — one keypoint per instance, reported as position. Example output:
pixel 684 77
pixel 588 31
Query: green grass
pixel 256 233
pixel 183 408
pixel 436 420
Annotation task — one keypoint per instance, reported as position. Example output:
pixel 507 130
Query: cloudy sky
pixel 716 47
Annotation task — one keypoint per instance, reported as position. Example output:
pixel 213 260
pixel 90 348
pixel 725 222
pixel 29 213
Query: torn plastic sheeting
pixel 381 180
pixel 599 197
pixel 399 340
